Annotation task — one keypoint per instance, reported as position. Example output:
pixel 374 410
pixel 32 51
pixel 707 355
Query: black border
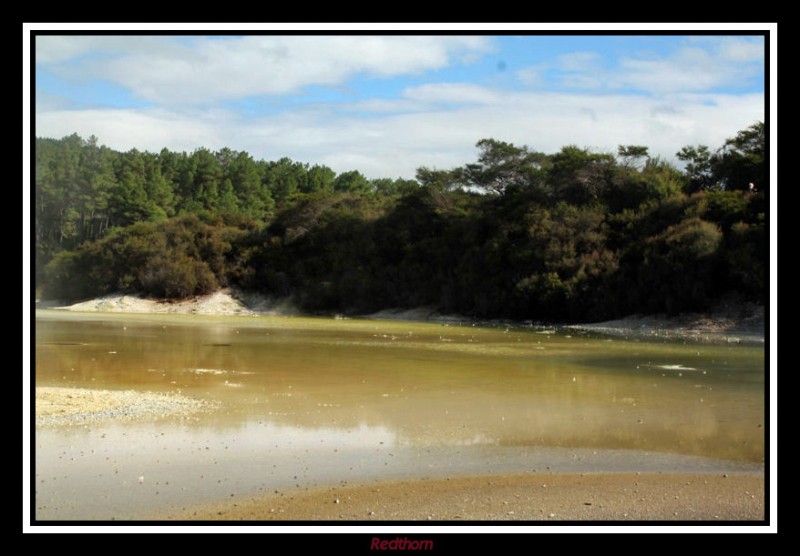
pixel 357 541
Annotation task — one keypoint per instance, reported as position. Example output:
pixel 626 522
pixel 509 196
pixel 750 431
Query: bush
pixel 679 266
pixel 176 277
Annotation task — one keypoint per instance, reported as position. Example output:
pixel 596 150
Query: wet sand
pixel 525 497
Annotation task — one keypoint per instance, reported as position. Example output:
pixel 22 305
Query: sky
pixel 387 104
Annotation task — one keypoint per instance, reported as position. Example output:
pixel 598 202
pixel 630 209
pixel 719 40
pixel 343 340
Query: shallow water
pixel 306 402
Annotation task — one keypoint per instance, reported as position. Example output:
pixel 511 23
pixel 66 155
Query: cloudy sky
pixel 388 104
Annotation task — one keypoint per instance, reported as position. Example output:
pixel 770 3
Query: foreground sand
pixel 529 497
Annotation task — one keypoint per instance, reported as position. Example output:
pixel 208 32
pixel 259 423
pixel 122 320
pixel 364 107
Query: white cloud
pixel 55 49
pixel 452 93
pixel 384 105
pixel 740 50
pixel 702 64
pixel 579 61
pixel 206 70
pixel 395 144
pixel 693 68
pixel 150 129
pixel 530 76
pixel 427 97
pixel 58 48
pixel 435 124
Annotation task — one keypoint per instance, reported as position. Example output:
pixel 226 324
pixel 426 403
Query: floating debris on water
pixel 201 371
pixel 676 368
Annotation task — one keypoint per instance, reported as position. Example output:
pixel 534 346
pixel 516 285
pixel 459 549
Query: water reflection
pixel 312 401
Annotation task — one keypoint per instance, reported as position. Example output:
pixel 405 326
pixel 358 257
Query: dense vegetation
pixel 574 235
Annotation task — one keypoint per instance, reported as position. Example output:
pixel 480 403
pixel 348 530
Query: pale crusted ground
pixel 739 325
pixel 228 301
pixel 529 497
pixel 222 302
pixel 79 406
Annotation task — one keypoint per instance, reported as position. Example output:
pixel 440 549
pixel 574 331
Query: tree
pixel 158 189
pixel 130 195
pixel 319 179
pixel 284 177
pixel 679 265
pixel 207 179
pixel 439 180
pixel 741 160
pixel 399 186
pixel 352 182
pixel 96 181
pixel 254 198
pixel 578 176
pixel 518 234
pixel 501 166
pixel 633 156
pixel 699 167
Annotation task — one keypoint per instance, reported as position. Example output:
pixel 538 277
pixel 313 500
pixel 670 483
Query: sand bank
pixel 526 497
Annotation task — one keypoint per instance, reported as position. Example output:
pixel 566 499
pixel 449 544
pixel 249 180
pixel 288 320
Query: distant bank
pixel 728 323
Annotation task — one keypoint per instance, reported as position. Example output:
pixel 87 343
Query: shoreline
pixel 729 323
pixel 544 497
pixel 529 497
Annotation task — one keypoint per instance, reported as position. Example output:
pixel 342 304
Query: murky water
pixel 308 402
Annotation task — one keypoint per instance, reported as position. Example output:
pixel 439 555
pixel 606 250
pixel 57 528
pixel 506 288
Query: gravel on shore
pixel 81 406
pixel 524 497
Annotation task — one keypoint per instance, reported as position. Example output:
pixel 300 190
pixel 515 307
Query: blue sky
pixel 388 104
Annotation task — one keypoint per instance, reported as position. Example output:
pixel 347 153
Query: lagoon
pixel 299 403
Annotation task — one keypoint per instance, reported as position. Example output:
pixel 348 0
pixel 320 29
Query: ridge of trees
pixel 574 235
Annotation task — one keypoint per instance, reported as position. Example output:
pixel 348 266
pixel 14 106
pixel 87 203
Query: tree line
pixel 573 235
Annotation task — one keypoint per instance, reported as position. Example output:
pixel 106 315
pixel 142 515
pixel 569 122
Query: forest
pixel 575 235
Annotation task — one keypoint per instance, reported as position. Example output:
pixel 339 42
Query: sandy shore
pixel 528 497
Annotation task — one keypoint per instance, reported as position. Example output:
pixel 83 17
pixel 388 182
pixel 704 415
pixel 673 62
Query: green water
pixel 306 402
